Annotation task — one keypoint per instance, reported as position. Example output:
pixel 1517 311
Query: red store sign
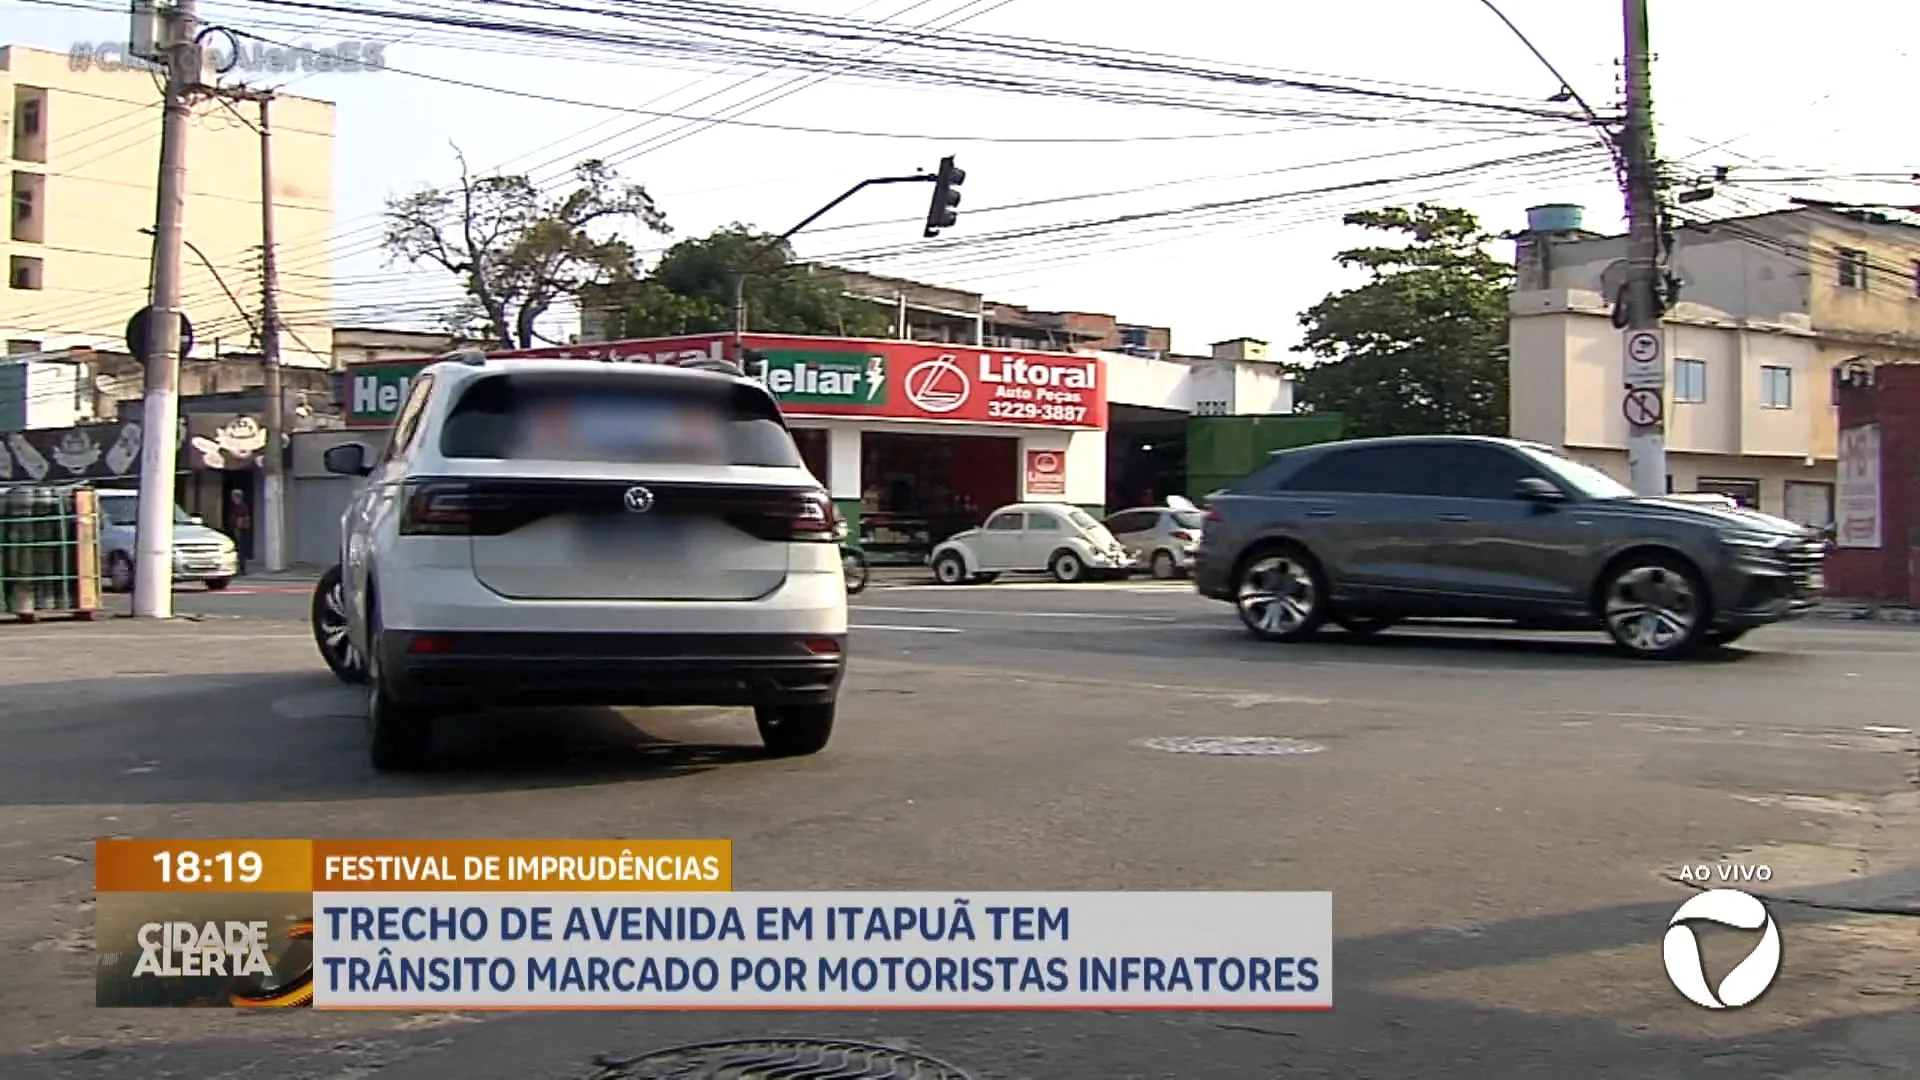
pixel 893 379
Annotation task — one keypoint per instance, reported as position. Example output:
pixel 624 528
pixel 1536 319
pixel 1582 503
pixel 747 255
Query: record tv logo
pixel 1750 978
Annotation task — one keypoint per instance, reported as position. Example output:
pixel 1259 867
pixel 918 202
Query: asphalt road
pixel 1497 817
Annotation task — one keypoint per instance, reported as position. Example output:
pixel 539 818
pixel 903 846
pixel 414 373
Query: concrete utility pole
pixel 274 494
pixel 160 443
pixel 1644 359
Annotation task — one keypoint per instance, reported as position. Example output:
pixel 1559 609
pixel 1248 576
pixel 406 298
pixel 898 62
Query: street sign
pixel 139 328
pixel 1645 361
pixel 1641 407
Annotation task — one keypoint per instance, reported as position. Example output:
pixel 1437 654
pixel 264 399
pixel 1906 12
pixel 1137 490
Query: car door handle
pixel 1320 511
pixel 1456 517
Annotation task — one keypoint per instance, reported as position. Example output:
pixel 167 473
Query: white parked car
pixel 199 553
pixel 571 532
pixel 1161 538
pixel 1031 538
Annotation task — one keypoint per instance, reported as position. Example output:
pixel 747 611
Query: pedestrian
pixel 240 525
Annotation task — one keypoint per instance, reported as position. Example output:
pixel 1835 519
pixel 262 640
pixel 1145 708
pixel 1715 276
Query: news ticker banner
pixel 654 924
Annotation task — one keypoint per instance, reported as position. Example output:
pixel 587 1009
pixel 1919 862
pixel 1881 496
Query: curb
pixel 1856 611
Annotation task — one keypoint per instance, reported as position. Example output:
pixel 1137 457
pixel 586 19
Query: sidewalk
pixel 1867 611
pixel 297 574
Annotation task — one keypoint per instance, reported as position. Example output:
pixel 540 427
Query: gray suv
pixel 1369 532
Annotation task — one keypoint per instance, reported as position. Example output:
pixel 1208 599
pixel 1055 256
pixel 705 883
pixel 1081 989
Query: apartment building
pixel 83 151
pixel 1769 305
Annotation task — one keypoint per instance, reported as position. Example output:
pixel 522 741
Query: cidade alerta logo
pixel 938 385
pixel 1750 978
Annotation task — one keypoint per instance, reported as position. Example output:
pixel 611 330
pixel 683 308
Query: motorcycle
pixel 853 561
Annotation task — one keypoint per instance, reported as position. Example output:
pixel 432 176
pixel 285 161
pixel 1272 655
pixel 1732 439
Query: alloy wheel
pixel 1277 597
pixel 1652 609
pixel 333 629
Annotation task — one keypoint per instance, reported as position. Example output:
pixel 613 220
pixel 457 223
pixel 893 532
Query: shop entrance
pixel 917 490
pixel 1146 456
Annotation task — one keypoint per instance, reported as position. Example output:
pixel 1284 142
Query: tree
pixel 518 251
pixel 690 291
pixel 1420 348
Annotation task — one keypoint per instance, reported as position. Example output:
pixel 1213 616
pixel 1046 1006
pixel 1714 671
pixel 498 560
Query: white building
pixel 1769 306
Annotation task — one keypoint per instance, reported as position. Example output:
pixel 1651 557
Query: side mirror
pixel 1535 490
pixel 347 459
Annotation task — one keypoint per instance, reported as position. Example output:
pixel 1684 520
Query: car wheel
pixel 950 569
pixel 329 619
pixel 215 584
pixel 794 730
pixel 1655 608
pixel 1163 567
pixel 1281 595
pixel 399 734
pixel 1362 625
pixel 119 572
pixel 1066 567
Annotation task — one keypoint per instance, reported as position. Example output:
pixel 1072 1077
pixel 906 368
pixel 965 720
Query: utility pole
pixel 1643 360
pixel 160 443
pixel 274 493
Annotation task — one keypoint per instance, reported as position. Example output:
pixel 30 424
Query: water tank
pixel 1558 217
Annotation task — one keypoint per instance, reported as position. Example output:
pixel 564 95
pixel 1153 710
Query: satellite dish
pixel 1180 502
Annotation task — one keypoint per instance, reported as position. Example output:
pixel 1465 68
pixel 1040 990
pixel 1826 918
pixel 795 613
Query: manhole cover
pixel 778 1059
pixel 1230 745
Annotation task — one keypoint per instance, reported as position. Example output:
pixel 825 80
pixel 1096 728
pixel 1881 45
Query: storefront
pixel 218 463
pixel 915 442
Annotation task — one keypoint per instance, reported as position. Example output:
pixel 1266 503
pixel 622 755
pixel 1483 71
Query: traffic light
pixel 946 197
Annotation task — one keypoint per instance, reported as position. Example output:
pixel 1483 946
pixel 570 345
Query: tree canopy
pixel 1421 347
pixel 690 291
pixel 516 250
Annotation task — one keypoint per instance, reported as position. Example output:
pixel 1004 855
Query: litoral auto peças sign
pixel 834 377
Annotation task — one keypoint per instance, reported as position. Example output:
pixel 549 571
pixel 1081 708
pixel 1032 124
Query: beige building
pixel 1769 305
pixel 83 150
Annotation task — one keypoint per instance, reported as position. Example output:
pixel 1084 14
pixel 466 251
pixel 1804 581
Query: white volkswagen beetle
pixel 1031 538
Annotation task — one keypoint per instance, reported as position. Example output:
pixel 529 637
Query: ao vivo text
pixel 1727 873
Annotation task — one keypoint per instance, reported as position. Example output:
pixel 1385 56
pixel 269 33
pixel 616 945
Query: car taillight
pixel 814 518
pixel 1213 514
pixel 439 510
pixel 1182 535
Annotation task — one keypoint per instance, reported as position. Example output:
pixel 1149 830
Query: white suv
pixel 571 532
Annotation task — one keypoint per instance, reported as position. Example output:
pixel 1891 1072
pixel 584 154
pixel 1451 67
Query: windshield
pixel 125 510
pixel 1187 519
pixel 1586 481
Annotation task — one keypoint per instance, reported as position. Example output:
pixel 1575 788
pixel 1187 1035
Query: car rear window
pixel 1187 519
pixel 615 419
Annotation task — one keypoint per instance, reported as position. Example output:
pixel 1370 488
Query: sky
pixel 1794 106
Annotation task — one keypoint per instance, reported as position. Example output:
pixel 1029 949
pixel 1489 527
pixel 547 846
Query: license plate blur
pixel 654 538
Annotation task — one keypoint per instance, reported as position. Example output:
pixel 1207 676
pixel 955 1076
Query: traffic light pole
pixel 740 275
